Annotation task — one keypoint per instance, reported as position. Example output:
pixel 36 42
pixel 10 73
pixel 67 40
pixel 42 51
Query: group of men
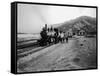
pixel 52 35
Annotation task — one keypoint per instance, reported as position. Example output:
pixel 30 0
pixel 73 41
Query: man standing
pixel 62 36
pixel 66 36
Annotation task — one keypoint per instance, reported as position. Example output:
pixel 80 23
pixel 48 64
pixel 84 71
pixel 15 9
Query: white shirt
pixel 62 35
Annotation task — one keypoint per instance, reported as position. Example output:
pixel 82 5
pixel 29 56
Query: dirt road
pixel 56 57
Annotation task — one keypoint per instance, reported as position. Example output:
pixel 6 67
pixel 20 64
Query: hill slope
pixel 84 22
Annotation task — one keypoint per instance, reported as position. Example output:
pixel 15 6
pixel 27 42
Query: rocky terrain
pixel 85 23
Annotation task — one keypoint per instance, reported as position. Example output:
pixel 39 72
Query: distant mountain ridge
pixel 86 23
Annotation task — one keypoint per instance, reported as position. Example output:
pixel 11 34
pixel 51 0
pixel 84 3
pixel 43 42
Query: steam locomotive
pixel 50 36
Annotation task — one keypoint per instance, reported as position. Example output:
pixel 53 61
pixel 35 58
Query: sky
pixel 32 17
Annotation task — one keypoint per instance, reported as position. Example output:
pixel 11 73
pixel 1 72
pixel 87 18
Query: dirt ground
pixel 78 53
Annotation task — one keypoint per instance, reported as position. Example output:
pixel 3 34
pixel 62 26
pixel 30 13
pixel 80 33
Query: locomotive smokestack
pixel 46 26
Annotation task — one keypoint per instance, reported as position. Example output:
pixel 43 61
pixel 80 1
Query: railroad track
pixel 26 44
pixel 26 48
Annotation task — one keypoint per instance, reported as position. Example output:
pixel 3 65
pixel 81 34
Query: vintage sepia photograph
pixel 56 38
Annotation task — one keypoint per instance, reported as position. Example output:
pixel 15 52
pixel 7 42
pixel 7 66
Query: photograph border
pixel 14 35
